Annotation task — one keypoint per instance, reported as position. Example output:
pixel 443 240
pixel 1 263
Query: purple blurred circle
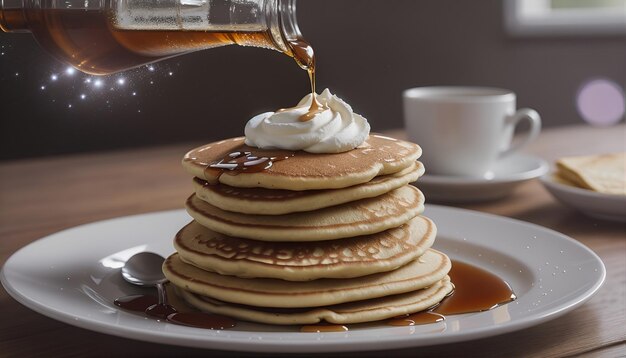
pixel 601 102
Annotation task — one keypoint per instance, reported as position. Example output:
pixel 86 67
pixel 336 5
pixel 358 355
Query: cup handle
pixel 535 127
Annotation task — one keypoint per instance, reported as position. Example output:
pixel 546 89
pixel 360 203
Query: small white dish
pixel 74 276
pixel 507 174
pixel 591 203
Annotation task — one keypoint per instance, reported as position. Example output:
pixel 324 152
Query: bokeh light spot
pixel 601 102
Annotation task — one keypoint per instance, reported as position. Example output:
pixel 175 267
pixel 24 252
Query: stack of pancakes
pixel 297 238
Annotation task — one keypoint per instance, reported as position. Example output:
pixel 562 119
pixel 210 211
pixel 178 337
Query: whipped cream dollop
pixel 334 129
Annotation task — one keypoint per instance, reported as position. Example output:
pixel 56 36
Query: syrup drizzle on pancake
pixel 242 162
pixel 245 161
pixel 376 157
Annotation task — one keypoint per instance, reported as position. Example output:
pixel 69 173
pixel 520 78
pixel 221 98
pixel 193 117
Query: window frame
pixel 536 18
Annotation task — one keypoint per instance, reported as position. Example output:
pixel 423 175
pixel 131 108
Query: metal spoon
pixel 144 269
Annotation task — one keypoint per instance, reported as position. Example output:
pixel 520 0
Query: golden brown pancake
pixel 276 201
pixel 305 261
pixel 353 312
pixel 430 268
pixel 379 155
pixel 361 217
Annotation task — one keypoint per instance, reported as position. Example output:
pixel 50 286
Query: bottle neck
pixel 286 34
pixel 283 25
pixel 12 16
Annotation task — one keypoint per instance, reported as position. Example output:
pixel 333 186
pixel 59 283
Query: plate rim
pixel 306 346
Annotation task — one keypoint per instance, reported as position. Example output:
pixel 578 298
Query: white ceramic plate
pixel 507 174
pixel 74 276
pixel 597 205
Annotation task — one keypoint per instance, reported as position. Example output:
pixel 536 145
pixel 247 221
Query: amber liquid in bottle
pixel 88 40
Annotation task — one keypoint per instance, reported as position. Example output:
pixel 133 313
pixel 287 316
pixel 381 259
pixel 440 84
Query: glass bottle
pixel 106 36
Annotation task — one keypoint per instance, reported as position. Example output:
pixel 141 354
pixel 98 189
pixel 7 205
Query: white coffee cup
pixel 463 131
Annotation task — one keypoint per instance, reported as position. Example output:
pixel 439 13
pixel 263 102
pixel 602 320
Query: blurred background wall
pixel 368 52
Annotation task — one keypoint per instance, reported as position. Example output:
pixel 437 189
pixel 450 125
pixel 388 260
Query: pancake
pixel 294 261
pixel 276 202
pixel 431 267
pixel 602 173
pixel 362 217
pixel 300 170
pixel 354 312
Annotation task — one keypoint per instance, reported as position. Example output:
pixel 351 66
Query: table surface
pixel 41 196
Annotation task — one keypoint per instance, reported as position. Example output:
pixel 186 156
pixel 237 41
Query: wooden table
pixel 41 196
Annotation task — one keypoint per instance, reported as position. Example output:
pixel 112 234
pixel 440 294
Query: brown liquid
pixel 149 306
pixel 160 310
pixel 475 290
pixel 304 55
pixel 248 162
pixel 323 327
pixel 202 320
pixel 136 303
pixel 88 40
pixel 424 317
pixel 12 19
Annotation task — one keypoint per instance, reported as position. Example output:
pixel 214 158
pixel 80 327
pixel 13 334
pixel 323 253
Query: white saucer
pixel 597 205
pixel 507 174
